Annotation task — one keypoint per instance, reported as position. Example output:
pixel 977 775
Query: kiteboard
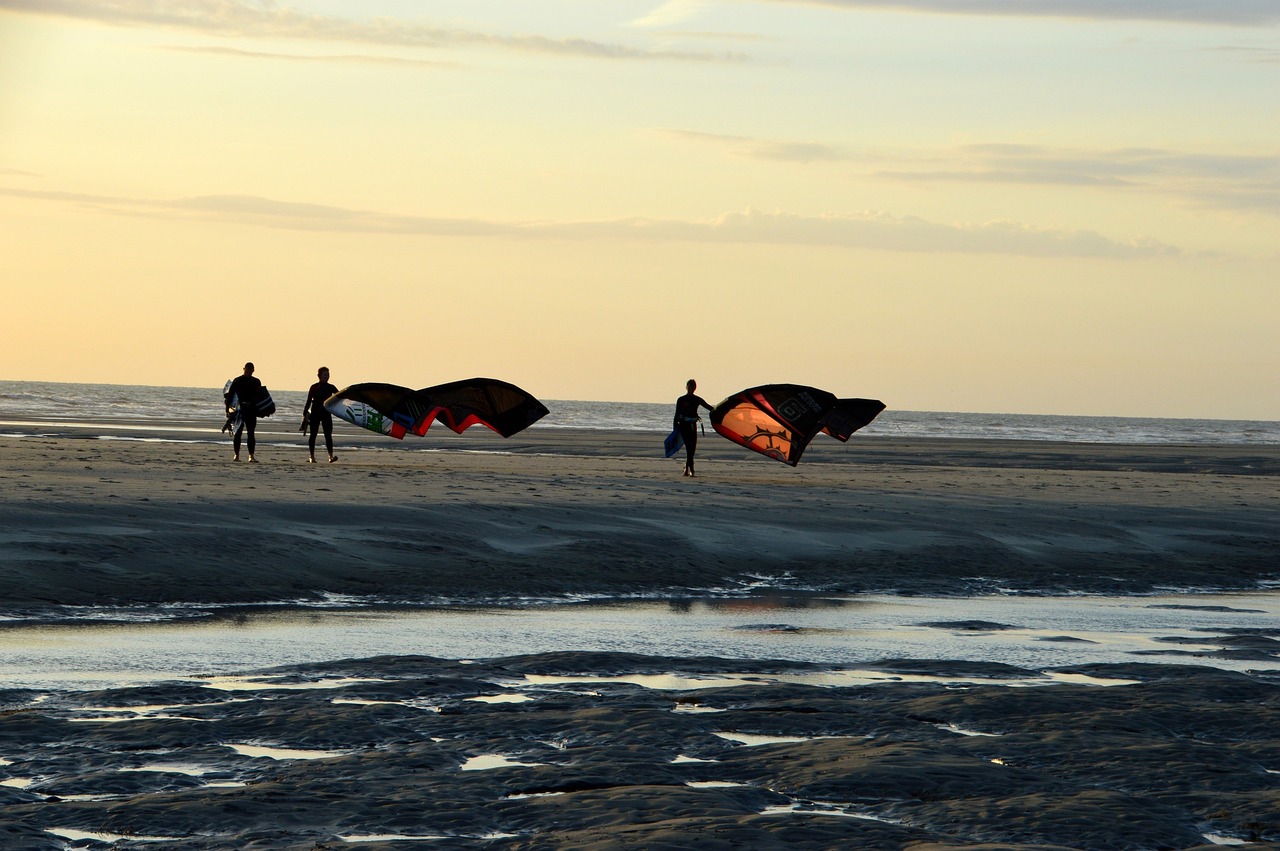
pixel 266 405
pixel 673 443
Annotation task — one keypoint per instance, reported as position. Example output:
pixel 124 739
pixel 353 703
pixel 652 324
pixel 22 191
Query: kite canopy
pixel 396 411
pixel 849 415
pixel 779 420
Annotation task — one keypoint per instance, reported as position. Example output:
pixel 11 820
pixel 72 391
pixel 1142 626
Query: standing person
pixel 686 420
pixel 245 390
pixel 316 416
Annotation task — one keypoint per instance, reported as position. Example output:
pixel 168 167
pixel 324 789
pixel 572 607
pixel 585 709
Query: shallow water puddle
pixel 1086 680
pixel 754 740
pixel 391 837
pixel 18 782
pixel 682 758
pixel 283 753
pixel 696 708
pixel 189 769
pixel 488 762
pixel 520 796
pixel 822 808
pixel 659 682
pixel 258 683
pixel 960 731
pixel 830 632
pixel 713 784
pixel 501 698
pixel 81 835
pixel 1219 839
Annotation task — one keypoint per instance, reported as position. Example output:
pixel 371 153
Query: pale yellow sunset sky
pixel 1040 206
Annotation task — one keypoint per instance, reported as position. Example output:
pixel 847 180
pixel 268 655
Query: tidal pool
pixel 844 632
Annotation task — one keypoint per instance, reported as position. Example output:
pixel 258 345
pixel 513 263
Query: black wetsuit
pixel 686 421
pixel 318 416
pixel 246 389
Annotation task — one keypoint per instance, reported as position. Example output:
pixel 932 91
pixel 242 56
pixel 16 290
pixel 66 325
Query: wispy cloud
pixel 781 150
pixel 1240 13
pixel 1244 182
pixel 1225 181
pixel 241 19
pixel 670 12
pixel 1251 53
pixel 357 58
pixel 865 230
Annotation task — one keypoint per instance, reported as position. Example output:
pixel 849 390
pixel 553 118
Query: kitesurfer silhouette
pixel 316 416
pixel 245 389
pixel 686 421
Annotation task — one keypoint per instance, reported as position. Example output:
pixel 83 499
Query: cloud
pixel 1251 54
pixel 765 149
pixel 1239 13
pixel 1244 182
pixel 670 12
pixel 862 230
pixel 243 19
pixel 295 57
pixel 1241 182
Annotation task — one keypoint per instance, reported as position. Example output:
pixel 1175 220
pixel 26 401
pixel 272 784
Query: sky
pixel 1024 206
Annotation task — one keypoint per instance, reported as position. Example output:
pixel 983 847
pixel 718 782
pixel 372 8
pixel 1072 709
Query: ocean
pixel 67 403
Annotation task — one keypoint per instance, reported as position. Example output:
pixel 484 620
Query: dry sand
pixel 89 521
pixel 1183 757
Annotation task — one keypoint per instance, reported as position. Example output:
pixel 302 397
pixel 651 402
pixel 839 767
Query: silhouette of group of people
pixel 316 418
pixel 245 390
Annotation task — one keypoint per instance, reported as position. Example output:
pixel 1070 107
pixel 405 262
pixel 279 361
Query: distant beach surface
pixel 179 407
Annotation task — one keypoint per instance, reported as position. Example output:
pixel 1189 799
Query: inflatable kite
pixel 396 411
pixel 779 420
pixel 849 415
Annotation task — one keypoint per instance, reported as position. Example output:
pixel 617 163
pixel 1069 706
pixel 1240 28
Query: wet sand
pixel 1169 755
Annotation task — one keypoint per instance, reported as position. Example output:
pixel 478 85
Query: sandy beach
pixel 561 750
pixel 89 521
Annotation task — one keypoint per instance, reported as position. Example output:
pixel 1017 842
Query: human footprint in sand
pixel 686 422
pixel 315 416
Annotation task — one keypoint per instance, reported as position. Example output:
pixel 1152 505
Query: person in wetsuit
pixel 315 416
pixel 686 421
pixel 245 389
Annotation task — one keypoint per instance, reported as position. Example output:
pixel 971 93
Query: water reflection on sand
pixel 846 633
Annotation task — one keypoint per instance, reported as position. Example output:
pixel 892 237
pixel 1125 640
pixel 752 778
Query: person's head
pixel 691 385
pixel 248 368
pixel 323 373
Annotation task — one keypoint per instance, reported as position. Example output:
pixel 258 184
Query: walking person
pixel 315 416
pixel 686 421
pixel 242 403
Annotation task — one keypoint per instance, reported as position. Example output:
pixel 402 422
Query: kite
pixel 849 415
pixel 396 411
pixel 779 420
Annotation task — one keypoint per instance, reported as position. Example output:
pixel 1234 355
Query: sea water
pixel 107 403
